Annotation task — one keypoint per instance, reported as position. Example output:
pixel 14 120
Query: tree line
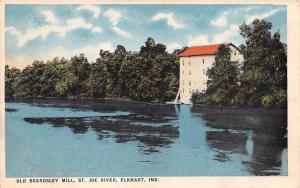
pixel 148 75
pixel 260 81
pixel 152 74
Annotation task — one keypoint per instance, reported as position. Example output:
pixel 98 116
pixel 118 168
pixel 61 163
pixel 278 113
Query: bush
pixel 240 98
pixel 276 99
pixel 267 101
pixel 196 96
pixel 217 98
pixel 281 99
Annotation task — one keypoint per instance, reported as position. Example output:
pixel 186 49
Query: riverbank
pixel 133 101
pixel 84 98
pixel 102 104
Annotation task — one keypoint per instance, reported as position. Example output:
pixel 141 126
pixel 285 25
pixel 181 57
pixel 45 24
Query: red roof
pixel 200 50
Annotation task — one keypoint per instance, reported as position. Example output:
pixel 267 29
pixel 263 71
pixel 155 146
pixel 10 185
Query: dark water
pixel 117 138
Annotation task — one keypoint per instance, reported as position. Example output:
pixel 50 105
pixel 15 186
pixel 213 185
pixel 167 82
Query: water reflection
pixel 105 105
pixel 162 134
pixel 266 158
pixel 247 133
pixel 122 128
pixel 225 143
pixel 10 110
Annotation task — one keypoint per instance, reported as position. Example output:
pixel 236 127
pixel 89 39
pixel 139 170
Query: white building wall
pixel 193 73
pixel 236 55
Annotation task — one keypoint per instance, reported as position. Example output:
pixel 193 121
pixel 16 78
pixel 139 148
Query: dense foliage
pixel 148 75
pixel 262 78
pixel 223 83
pixel 10 80
pixel 152 74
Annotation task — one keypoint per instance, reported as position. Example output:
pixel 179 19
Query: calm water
pixel 65 139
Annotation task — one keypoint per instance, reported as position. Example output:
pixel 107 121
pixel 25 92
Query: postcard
pixel 150 94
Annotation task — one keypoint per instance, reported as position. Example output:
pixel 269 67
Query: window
pixel 182 82
pixel 190 82
pixel 203 71
pixel 203 61
pixel 183 90
pixel 234 52
pixel 189 72
pixel 189 62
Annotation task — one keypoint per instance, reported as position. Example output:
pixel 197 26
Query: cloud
pixel 113 15
pixel 220 21
pixel 227 35
pixel 241 10
pixel 173 46
pixel 263 15
pixel 223 19
pixel 122 32
pixel 75 23
pixel 169 18
pixel 91 8
pixel 18 63
pixel 198 40
pixel 248 13
pixel 97 29
pixel 90 51
pixel 49 16
pixel 42 32
pixel 13 31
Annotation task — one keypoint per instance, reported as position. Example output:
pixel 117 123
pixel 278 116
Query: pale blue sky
pixel 44 31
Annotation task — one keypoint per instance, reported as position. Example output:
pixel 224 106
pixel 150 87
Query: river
pixel 93 138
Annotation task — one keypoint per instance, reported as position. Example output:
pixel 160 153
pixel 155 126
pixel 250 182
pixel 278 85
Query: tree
pixel 29 80
pixel 223 78
pixel 52 74
pixel 264 71
pixel 148 75
pixel 130 75
pixel 97 80
pixel 74 77
pixel 151 74
pixel 11 74
pixel 80 70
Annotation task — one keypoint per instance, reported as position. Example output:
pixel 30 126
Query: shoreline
pixel 143 102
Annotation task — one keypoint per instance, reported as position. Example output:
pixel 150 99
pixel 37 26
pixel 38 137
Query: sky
pixel 42 32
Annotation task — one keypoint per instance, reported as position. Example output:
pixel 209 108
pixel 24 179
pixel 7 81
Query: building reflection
pixel 258 137
pixel 226 143
pixel 264 153
pixel 266 158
